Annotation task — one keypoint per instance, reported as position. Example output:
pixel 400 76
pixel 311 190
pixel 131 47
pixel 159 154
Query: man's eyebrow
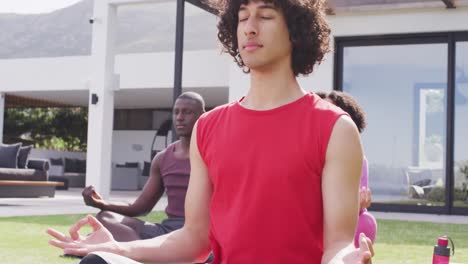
pixel 268 6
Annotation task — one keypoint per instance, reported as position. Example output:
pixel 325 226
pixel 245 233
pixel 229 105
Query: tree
pixel 49 128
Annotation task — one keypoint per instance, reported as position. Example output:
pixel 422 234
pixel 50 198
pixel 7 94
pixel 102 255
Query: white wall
pixel 64 73
pixel 47 154
pixel 238 82
pixel 322 77
pixel 134 146
pixel 399 21
pixel 204 68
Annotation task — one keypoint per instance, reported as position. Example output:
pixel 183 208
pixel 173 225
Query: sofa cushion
pixel 70 165
pixel 56 162
pixel 23 155
pixel 9 155
pixel 75 179
pixel 38 164
pixel 10 174
pixel 81 166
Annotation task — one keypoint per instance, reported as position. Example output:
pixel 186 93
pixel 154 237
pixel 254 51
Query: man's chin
pixel 182 134
pixel 256 65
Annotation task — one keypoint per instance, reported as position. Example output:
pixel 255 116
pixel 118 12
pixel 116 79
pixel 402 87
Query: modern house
pixel 405 61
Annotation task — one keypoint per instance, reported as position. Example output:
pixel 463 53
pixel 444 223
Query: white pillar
pixel 239 82
pixel 101 113
pixel 2 113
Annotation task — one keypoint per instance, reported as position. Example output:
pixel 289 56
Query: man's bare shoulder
pixel 345 139
pixel 157 158
pixel 217 111
pixel 207 122
pixel 345 125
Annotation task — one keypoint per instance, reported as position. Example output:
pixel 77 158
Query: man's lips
pixel 252 46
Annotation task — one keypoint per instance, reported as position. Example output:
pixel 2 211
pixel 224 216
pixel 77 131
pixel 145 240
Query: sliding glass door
pixel 403 83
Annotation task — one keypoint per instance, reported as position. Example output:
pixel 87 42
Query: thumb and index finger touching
pixel 62 241
pixel 90 220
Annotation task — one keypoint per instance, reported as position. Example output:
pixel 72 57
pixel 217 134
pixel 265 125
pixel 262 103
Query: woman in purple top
pixel 366 223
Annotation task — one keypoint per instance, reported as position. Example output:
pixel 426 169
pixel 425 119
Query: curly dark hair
pixel 309 31
pixel 346 102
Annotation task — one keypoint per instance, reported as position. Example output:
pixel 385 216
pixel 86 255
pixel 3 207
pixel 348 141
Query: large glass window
pixel 402 88
pixel 460 193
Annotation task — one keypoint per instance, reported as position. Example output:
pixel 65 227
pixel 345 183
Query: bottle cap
pixel 442 241
pixel 442 248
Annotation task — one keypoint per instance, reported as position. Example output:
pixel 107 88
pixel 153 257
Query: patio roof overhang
pixel 203 5
pixel 365 5
pixel 15 101
pixel 336 6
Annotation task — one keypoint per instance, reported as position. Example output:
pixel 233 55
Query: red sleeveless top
pixel 266 169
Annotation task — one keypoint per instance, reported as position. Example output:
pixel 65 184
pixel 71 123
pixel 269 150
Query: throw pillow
pixel 56 162
pixel 80 166
pixel 70 165
pixel 9 155
pixel 23 154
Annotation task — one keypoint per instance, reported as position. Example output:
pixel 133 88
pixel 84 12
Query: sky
pixel 33 6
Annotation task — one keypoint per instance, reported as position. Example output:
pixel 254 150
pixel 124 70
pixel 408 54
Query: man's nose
pixel 250 28
pixel 179 116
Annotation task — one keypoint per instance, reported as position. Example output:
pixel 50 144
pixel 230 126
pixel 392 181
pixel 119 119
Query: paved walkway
pixel 64 202
pixel 71 202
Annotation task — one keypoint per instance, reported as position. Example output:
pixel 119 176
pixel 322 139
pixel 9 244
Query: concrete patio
pixel 64 202
pixel 71 202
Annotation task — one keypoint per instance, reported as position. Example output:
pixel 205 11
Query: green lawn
pixel 23 240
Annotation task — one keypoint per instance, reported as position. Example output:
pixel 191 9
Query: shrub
pixel 437 194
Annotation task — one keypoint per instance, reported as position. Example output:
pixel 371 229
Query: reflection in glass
pixel 461 127
pixel 402 88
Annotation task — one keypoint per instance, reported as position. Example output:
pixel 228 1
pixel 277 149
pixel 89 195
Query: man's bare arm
pixel 150 195
pixel 340 186
pixel 189 244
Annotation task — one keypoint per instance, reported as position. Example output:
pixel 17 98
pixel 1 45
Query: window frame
pixel 449 38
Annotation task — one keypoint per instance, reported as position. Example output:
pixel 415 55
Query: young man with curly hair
pixel 274 175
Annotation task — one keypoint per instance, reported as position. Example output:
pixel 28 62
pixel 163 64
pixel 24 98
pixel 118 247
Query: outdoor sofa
pixel 68 170
pixel 21 176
